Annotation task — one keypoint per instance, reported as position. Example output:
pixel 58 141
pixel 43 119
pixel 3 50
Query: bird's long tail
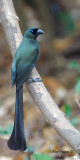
pixel 17 140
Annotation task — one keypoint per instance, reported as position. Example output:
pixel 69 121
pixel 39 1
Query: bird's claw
pixel 34 80
pixel 12 85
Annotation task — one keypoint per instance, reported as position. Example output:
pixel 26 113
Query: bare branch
pixel 77 101
pixel 46 104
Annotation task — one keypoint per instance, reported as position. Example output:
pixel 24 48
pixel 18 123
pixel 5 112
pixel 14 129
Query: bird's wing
pixel 24 69
pixel 13 73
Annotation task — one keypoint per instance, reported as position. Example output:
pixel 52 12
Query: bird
pixel 24 60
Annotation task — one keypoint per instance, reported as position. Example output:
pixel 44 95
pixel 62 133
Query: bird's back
pixel 26 56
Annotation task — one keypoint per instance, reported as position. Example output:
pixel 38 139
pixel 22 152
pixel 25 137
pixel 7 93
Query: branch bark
pixel 46 104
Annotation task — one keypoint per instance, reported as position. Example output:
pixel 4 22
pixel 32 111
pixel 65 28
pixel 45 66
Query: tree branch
pixel 46 104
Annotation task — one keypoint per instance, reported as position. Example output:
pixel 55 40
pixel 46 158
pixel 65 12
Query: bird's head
pixel 33 33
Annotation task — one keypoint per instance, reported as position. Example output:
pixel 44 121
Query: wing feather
pixel 13 73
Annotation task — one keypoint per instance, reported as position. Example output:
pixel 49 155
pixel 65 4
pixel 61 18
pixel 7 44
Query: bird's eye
pixel 31 31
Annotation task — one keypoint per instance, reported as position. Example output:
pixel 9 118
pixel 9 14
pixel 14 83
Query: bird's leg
pixel 34 80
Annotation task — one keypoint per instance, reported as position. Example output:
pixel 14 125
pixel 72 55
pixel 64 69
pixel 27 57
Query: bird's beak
pixel 39 31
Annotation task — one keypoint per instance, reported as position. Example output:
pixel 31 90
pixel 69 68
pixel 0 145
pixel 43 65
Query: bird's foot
pixel 12 85
pixel 34 80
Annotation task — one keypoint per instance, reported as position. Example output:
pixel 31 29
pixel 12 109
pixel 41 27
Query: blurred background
pixel 59 67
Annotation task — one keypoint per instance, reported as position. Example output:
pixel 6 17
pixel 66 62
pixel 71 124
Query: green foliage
pixel 42 156
pixel 2 131
pixel 68 110
pixel 77 86
pixel 68 22
pixel 27 158
pixel 74 65
pixel 74 121
pixel 7 130
pixel 30 149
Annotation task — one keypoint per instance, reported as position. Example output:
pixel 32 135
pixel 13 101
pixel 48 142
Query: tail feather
pixel 17 140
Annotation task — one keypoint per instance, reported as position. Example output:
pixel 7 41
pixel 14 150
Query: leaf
pixel 73 65
pixel 30 149
pixel 42 156
pixel 68 110
pixel 7 130
pixel 77 86
pixel 2 130
pixel 74 121
pixel 27 158
pixel 68 22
